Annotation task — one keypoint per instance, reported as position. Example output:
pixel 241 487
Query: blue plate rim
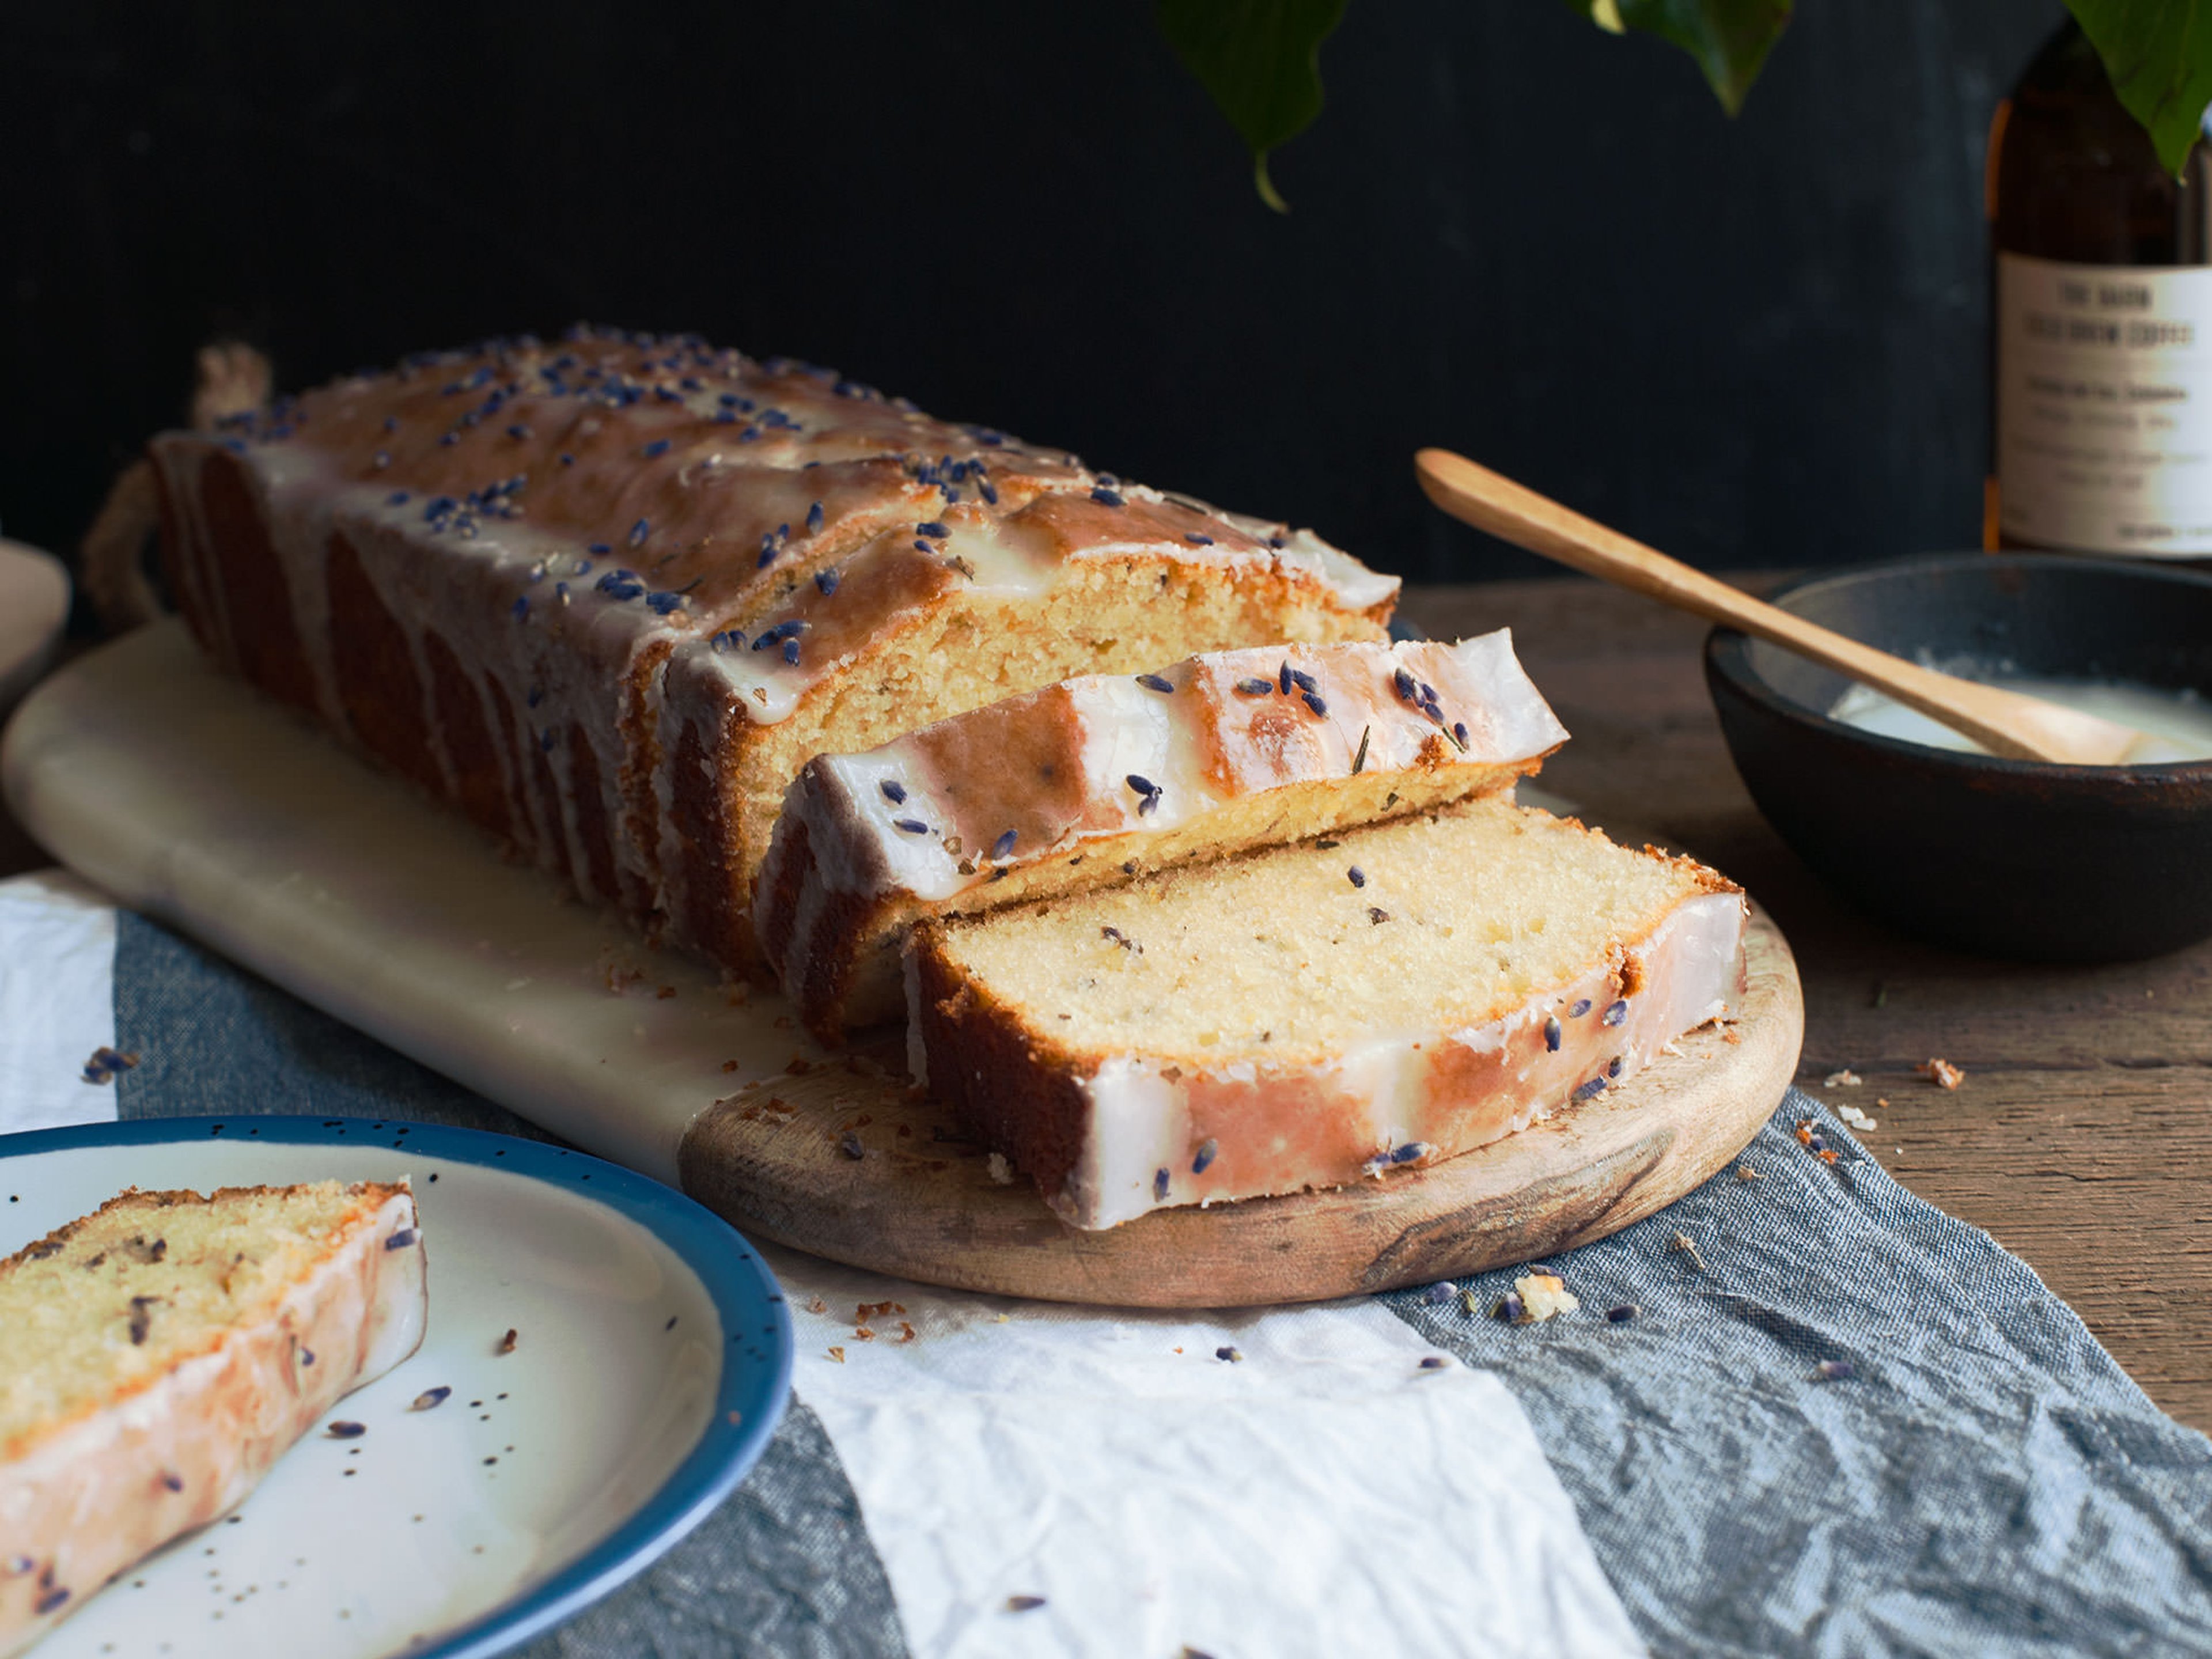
pixel 734 1277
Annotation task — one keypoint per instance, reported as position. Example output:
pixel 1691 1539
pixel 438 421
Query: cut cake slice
pixel 158 1356
pixel 1098 779
pixel 1309 1015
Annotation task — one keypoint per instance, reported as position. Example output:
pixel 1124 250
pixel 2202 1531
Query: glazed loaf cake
pixel 1099 779
pixel 158 1356
pixel 608 595
pixel 1309 1016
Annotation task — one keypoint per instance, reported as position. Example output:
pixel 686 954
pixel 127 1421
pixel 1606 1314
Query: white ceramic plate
pixel 652 1359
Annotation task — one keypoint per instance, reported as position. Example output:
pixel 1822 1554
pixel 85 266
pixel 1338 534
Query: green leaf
pixel 1729 38
pixel 2159 53
pixel 1261 61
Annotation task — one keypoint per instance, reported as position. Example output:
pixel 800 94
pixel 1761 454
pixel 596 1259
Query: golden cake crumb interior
pixel 108 1303
pixel 1295 953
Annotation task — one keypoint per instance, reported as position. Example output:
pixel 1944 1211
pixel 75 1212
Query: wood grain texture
pixel 918 1200
pixel 2083 1135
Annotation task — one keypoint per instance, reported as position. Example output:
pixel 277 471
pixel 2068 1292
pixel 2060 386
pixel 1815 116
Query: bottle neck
pixel 2073 176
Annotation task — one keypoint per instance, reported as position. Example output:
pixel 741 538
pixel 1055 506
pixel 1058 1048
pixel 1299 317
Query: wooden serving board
pixel 196 800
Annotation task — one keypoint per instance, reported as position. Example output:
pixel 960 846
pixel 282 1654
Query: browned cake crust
pixel 606 595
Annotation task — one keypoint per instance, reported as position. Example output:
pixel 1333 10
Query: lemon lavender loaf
pixel 159 1355
pixel 608 594
pixel 1099 779
pixel 1311 1015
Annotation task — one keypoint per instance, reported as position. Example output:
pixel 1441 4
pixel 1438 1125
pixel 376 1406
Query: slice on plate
pixel 1315 1014
pixel 159 1355
pixel 1095 780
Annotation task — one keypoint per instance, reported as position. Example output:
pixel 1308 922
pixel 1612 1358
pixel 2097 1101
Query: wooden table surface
pixel 2082 1137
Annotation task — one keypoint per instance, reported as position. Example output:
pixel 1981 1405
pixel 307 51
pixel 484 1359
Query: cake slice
pixel 1095 780
pixel 1311 1015
pixel 159 1355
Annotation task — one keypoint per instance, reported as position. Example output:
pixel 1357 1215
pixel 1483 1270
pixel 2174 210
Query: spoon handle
pixel 1994 718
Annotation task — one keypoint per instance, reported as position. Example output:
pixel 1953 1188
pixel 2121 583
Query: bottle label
pixel 2104 406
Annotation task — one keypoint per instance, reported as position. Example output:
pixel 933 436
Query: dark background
pixel 1753 343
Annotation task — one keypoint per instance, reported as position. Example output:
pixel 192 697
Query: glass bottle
pixel 2100 322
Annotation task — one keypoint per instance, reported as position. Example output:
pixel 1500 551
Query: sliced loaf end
pixel 1307 1016
pixel 1105 778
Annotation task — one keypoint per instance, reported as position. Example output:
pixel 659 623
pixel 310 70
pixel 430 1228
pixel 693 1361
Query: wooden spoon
pixel 2003 722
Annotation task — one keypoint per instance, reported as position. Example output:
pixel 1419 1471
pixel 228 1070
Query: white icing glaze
pixel 1130 730
pixel 1360 587
pixel 1139 1124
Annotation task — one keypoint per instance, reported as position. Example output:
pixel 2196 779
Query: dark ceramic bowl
pixel 2000 857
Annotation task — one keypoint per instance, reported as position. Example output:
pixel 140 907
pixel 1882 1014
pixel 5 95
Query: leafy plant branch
pixel 1260 59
